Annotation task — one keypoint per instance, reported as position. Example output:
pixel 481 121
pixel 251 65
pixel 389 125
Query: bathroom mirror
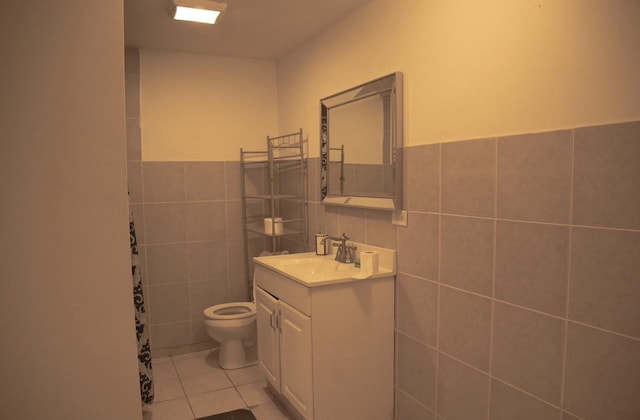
pixel 361 145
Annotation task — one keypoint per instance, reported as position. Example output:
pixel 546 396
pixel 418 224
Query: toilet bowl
pixel 233 325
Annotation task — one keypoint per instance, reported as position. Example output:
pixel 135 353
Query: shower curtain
pixel 142 331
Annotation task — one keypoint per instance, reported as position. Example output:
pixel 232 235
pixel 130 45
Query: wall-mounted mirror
pixel 361 145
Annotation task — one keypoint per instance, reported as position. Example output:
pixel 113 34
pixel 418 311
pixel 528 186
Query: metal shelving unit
pixel 274 184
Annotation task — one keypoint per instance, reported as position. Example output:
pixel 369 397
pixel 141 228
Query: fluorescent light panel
pixel 196 15
pixel 204 11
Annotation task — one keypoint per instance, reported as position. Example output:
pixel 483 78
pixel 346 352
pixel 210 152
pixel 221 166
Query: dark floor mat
pixel 231 415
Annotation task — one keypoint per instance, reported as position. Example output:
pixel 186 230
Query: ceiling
pixel 259 29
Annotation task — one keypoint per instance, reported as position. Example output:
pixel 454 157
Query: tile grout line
pixel 186 395
pixel 563 372
pixel 186 245
pixel 493 315
pixel 412 398
pixel 537 222
pixel 493 279
pixel 502 381
pixel 235 386
pixel 145 276
pixel 438 295
pixel 184 391
pixel 559 317
pixel 438 308
pixel 485 373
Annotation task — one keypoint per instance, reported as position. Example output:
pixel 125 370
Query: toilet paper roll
pixel 368 264
pixel 273 225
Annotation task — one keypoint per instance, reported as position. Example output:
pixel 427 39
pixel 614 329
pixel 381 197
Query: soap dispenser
pixel 322 246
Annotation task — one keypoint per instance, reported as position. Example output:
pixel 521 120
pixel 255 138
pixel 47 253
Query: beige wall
pixel 476 69
pixel 198 107
pixel 66 314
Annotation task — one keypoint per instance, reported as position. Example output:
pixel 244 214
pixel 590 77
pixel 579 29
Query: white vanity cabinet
pixel 327 349
pixel 285 334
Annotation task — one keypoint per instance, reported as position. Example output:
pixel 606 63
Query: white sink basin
pixel 318 269
pixel 313 270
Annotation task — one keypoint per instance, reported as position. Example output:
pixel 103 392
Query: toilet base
pixel 232 354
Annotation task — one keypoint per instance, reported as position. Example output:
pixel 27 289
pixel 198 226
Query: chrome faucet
pixel 345 253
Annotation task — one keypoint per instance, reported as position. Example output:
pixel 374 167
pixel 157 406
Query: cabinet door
pixel 268 336
pixel 295 357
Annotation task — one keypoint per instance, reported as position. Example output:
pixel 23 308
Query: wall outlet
pixel 399 218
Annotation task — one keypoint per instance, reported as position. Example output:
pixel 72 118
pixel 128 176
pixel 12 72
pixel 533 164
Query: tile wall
pixel 192 245
pixel 519 276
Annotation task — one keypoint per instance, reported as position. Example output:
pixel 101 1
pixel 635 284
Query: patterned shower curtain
pixel 142 331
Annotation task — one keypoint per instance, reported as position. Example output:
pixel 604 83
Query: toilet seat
pixel 232 310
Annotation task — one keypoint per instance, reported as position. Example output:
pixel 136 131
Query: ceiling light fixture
pixel 204 11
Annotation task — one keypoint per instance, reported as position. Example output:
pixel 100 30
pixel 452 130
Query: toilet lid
pixel 233 310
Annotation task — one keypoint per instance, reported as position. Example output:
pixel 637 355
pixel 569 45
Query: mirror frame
pixel 393 202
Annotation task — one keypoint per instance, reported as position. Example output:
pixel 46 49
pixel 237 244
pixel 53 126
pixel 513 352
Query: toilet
pixel 233 325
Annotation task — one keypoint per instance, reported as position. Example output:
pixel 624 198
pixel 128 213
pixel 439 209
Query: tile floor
pixel 189 386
